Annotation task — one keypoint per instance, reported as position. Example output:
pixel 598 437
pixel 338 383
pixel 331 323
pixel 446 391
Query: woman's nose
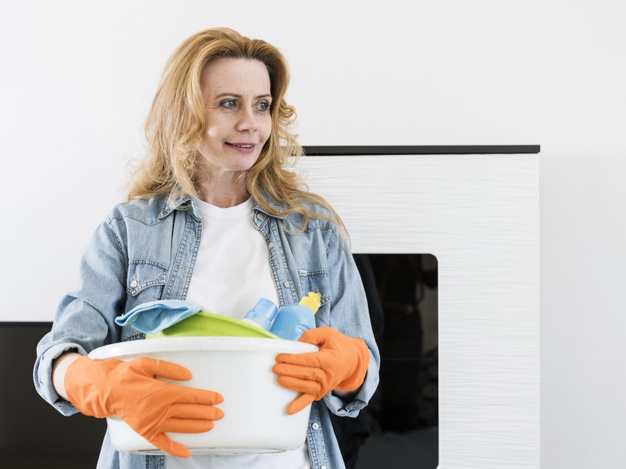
pixel 247 121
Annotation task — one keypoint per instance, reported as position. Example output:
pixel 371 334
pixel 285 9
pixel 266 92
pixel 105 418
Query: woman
pixel 216 219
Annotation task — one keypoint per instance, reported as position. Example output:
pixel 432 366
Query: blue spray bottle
pixel 292 320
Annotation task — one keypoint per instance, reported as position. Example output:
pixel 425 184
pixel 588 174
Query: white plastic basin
pixel 239 368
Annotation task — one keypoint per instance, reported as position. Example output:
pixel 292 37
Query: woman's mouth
pixel 242 147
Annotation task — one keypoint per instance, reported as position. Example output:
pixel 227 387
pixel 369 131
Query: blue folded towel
pixel 155 316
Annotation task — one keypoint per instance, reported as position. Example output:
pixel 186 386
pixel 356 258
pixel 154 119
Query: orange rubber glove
pixel 148 405
pixel 340 363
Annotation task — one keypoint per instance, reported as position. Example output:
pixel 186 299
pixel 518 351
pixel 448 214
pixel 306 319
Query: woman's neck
pixel 222 193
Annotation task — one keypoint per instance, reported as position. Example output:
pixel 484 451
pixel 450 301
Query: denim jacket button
pixel 259 216
pixel 271 245
pixel 315 426
pixel 134 284
pixel 286 284
pixel 323 466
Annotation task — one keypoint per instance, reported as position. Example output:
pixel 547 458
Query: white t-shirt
pixel 232 272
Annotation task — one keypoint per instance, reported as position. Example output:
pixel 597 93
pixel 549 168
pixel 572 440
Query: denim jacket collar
pixel 175 201
pixel 178 199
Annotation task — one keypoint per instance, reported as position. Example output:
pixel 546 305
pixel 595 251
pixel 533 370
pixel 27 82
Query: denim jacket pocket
pixel 317 281
pixel 145 281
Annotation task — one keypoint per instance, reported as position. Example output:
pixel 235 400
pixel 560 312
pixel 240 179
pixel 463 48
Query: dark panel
pixel 30 429
pixel 357 150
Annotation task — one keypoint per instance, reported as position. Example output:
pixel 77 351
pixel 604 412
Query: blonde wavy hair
pixel 176 123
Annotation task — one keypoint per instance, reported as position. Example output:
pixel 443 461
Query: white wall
pixel 77 78
pixel 583 254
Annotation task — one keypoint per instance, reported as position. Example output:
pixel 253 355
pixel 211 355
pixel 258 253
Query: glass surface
pixel 399 427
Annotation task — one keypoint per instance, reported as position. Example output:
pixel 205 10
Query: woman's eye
pixel 229 104
pixel 264 106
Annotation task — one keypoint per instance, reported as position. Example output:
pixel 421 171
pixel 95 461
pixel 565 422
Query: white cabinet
pixel 479 215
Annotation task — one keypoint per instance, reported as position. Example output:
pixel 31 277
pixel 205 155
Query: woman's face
pixel 237 97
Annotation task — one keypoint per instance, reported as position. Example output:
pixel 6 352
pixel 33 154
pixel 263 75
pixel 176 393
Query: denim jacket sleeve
pixel 85 317
pixel 349 314
pixel 323 263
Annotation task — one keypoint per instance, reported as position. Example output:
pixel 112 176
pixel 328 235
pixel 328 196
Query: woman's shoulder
pixel 147 211
pixel 317 220
pixel 306 213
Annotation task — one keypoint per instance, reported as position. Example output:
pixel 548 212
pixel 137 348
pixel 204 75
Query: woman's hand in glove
pixel 150 406
pixel 340 363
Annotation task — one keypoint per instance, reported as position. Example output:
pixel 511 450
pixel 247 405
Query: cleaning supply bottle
pixel 262 314
pixel 292 320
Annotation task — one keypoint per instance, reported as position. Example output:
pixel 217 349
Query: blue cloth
pixel 145 250
pixel 155 316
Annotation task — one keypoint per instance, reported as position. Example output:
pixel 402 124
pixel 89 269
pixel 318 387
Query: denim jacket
pixel 146 249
